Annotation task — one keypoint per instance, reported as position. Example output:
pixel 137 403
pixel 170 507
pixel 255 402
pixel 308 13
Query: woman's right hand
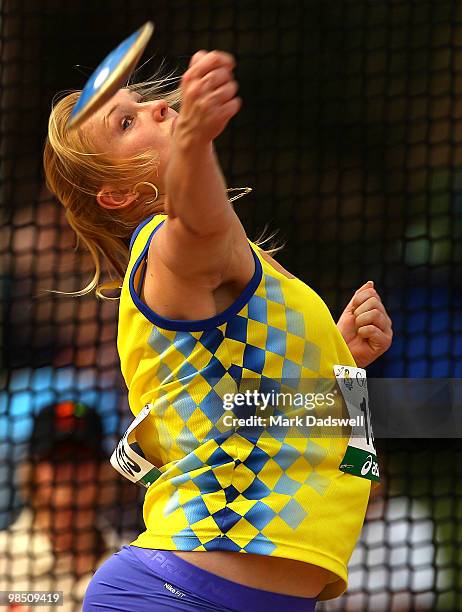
pixel 208 98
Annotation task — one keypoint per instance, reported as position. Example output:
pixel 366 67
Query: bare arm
pixel 195 185
pixel 202 238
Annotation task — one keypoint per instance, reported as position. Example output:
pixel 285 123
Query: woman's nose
pixel 159 110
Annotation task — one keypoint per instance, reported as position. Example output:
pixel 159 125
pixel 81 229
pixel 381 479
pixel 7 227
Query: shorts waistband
pixel 235 596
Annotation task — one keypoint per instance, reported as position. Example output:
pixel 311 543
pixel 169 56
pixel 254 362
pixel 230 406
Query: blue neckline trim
pixel 139 228
pixel 198 324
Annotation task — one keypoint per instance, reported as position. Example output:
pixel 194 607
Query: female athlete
pixel 234 521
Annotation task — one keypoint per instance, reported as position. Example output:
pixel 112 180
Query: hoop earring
pixel 156 191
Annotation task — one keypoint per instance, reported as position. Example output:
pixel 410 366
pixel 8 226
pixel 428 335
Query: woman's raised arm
pixel 202 236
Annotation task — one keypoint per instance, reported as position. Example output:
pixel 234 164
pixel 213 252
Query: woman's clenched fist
pixel 208 97
pixel 366 326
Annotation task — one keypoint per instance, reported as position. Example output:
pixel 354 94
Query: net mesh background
pixel 351 137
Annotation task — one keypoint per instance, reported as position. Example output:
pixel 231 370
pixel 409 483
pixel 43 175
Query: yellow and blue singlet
pixel 221 489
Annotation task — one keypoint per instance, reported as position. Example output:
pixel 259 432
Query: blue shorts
pixel 146 580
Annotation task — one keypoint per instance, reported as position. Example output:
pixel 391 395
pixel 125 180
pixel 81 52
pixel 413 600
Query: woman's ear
pixel 114 199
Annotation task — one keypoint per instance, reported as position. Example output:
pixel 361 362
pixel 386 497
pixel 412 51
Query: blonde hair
pixel 272 239
pixel 75 172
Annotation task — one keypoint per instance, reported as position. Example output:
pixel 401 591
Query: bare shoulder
pixel 190 276
pixel 276 264
pixel 210 259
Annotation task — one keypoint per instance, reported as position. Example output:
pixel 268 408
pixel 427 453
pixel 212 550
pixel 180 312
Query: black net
pixel 351 137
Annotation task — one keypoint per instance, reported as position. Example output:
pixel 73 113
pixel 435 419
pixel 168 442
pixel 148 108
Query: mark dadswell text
pixel 297 421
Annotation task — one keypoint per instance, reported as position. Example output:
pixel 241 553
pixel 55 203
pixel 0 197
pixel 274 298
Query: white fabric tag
pixel 361 457
pixel 128 462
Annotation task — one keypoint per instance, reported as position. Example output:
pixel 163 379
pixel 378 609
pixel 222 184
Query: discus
pixel 113 72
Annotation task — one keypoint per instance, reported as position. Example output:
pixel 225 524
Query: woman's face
pixel 126 125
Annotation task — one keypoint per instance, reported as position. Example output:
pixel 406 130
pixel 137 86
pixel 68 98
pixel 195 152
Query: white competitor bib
pixel 128 462
pixel 360 458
